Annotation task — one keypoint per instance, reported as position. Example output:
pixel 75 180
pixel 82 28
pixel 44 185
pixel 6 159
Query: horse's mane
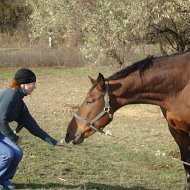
pixel 141 66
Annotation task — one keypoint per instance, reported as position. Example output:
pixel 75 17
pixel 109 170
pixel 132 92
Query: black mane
pixel 140 66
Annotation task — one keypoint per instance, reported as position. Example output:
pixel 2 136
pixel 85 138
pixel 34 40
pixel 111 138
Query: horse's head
pixel 93 115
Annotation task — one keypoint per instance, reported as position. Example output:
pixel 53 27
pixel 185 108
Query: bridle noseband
pixel 106 110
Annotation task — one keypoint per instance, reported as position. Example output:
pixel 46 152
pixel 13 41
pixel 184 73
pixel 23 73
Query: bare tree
pixel 163 22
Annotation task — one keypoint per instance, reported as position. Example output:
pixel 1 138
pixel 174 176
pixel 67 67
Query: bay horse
pixel 163 81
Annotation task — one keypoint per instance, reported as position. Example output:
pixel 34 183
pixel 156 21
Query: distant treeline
pixel 14 15
pixel 100 28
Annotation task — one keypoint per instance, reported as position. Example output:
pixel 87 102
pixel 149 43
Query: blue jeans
pixel 10 156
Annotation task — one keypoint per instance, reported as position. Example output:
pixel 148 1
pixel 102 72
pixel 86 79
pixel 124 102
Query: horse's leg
pixel 183 140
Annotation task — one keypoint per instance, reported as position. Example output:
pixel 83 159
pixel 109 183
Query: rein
pixel 106 110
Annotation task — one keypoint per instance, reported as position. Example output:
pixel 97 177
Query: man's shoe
pixel 2 188
pixel 8 185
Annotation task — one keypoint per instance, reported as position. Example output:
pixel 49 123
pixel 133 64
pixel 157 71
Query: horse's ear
pixel 100 82
pixel 93 81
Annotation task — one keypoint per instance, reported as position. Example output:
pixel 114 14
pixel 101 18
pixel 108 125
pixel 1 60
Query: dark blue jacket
pixel 13 108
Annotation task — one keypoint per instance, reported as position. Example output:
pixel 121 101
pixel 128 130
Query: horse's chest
pixel 178 107
pixel 178 112
pixel 179 119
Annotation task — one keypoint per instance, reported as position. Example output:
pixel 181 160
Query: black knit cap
pixel 25 76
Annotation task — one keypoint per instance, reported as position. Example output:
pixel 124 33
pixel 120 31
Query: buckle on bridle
pixel 107 109
pixel 88 123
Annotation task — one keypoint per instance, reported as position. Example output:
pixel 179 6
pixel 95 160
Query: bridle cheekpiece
pixel 106 110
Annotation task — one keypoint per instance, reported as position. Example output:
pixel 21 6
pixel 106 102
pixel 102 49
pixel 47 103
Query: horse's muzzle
pixel 74 141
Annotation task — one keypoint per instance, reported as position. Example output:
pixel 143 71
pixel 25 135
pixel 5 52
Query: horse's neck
pixel 153 87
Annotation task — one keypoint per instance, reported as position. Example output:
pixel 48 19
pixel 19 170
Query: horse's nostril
pixel 67 138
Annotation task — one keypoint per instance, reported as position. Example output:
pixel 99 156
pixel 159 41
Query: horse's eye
pixel 90 101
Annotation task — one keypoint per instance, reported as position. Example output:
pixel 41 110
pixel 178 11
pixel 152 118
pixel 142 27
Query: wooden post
pixel 50 32
pixel 50 41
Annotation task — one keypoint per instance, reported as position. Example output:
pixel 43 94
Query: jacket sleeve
pixel 31 125
pixel 5 109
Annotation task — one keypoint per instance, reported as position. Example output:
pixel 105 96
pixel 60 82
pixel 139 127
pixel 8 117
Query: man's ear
pixel 100 82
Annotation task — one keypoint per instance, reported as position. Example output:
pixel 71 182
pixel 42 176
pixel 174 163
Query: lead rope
pixel 108 133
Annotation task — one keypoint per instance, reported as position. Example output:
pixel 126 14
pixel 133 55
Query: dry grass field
pixel 140 158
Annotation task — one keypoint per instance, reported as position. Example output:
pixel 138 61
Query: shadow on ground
pixel 86 186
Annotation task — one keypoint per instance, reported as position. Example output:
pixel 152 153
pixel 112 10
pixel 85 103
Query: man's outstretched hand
pixel 62 143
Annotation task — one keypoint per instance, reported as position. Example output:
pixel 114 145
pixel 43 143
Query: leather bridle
pixel 106 110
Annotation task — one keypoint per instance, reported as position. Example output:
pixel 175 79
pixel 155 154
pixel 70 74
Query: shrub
pixel 41 56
